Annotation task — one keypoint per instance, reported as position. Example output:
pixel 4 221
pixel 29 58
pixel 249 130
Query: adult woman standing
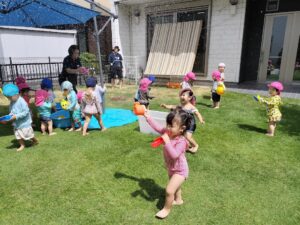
pixel 115 60
pixel 71 67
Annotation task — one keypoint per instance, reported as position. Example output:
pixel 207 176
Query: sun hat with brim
pixel 90 82
pixel 216 75
pixel 80 95
pixel 144 84
pixel 10 90
pixel 222 65
pixel 40 97
pixel 20 80
pixel 277 85
pixel 23 86
pixel 46 83
pixel 67 85
pixel 152 78
pixel 189 76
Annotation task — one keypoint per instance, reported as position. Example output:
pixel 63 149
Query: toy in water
pixel 220 89
pixel 64 104
pixel 256 98
pixel 157 142
pixel 84 70
pixel 139 109
pixel 6 118
pixel 174 85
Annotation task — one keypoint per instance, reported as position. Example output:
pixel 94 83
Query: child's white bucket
pixel 157 116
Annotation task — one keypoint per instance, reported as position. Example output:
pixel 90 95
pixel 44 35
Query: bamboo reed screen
pixel 173 49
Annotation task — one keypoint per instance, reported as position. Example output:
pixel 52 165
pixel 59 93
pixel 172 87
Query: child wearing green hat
pixel 21 117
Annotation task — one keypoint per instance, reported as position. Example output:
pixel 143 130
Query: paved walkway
pixel 263 93
pixel 290 91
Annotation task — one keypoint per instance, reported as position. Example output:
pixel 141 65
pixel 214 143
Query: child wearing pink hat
pixel 218 77
pixel 142 95
pixel 44 110
pixel 188 80
pixel 273 103
pixel 24 89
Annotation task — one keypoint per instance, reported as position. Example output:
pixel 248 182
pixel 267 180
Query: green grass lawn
pixel 239 176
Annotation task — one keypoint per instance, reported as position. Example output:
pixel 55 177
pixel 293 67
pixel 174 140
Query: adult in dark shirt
pixel 115 59
pixel 71 67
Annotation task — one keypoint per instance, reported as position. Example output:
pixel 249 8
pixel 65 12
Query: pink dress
pixel 174 152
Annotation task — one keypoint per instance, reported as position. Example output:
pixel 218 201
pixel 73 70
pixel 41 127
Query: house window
pixel 183 16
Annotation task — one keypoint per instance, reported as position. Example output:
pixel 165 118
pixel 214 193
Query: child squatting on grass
pixel 187 101
pixel 44 108
pixel 21 117
pixel 175 145
pixel 273 103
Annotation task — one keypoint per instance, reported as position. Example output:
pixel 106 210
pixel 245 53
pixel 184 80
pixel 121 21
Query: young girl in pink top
pixel 175 146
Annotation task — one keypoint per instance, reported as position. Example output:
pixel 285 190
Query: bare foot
pixel 78 129
pixel 85 134
pixel 217 107
pixel 71 129
pixel 21 148
pixel 163 213
pixel 178 202
pixel 53 133
pixel 44 133
pixel 103 129
pixel 193 149
pixel 270 135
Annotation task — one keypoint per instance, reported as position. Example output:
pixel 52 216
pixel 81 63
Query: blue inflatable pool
pixel 111 118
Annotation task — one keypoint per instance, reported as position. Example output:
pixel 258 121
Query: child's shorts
pixel 192 127
pixel 215 97
pixel 45 119
pixel 24 133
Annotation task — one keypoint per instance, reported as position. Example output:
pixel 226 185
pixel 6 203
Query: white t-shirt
pixel 99 91
pixel 185 85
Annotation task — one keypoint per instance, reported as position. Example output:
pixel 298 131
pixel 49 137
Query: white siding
pixel 35 43
pixel 225 39
pixel 226 36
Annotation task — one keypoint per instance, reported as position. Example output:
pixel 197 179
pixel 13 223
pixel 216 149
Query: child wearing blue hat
pixel 21 117
pixel 47 85
pixel 91 105
pixel 74 107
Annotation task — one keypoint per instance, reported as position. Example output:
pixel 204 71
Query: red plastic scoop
pixel 157 142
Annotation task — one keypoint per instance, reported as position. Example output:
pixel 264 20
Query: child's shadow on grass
pixel 203 104
pixel 251 128
pixel 149 190
pixel 14 144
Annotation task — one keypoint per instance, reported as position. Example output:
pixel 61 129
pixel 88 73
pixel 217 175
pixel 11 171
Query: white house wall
pixel 225 38
pixel 34 43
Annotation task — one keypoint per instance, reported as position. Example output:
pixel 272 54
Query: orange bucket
pixel 139 109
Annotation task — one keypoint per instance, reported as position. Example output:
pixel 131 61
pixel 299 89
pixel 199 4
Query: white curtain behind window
pixel 173 49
